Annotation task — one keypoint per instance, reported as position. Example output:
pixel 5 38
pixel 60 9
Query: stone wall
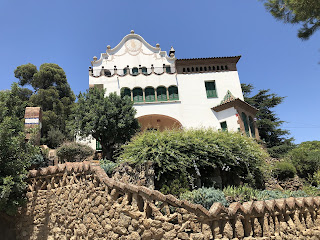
pixel 79 201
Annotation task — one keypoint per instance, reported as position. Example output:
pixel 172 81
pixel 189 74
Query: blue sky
pixel 70 33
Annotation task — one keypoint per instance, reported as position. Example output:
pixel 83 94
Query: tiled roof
pixel 183 59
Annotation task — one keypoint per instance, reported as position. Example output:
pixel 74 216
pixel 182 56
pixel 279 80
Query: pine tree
pixel 268 123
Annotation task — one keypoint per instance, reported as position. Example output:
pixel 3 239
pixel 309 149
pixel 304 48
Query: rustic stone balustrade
pixel 79 201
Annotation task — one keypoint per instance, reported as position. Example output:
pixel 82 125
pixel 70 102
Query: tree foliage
pixel 109 119
pixel 196 154
pixel 306 158
pixel 268 123
pixel 305 12
pixel 15 154
pixel 52 93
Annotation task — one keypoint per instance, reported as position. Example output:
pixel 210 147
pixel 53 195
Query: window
pixel 107 72
pixel 98 146
pixel 218 68
pixel 162 94
pixel 135 71
pixel 184 69
pixel 245 123
pixel 226 67
pixel 205 68
pixel 168 69
pixel 144 70
pixel 222 68
pixel 137 95
pixel 200 69
pixel 224 126
pixel 126 92
pixel 149 94
pixel 252 128
pixel 211 89
pixel 125 71
pixel 173 93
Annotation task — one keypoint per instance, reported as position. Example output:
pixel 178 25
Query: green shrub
pixel 173 184
pixel 73 152
pixel 108 166
pixel 306 158
pixel 205 197
pixel 284 170
pixel 192 152
pixel 311 190
pixel 54 138
pixel 241 193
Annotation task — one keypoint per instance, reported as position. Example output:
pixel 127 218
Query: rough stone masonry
pixel 79 201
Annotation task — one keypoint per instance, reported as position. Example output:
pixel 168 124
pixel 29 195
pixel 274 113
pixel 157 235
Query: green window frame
pixel 126 92
pixel 173 93
pixel 135 71
pixel 224 126
pixel 245 123
pixel 98 146
pixel 162 94
pixel 137 95
pixel 149 94
pixel 252 128
pixel 211 89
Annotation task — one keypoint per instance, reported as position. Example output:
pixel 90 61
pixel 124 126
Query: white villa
pixel 169 92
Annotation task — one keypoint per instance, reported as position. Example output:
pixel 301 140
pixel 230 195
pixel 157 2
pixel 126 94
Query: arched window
pixel 205 68
pixel 173 93
pixel 168 69
pixel 135 71
pixel 213 68
pixel 245 123
pixel 197 69
pixel 137 95
pixel 107 72
pixel 125 71
pixel 252 128
pixel 149 94
pixel 222 68
pixel 209 68
pixel 144 70
pixel 188 69
pixel 162 94
pixel 226 67
pixel 192 69
pixel 126 92
pixel 200 69
pixel 218 68
pixel 184 69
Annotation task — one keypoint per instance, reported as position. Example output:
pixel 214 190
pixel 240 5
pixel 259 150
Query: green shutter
pixel 245 123
pixel 224 126
pixel 211 89
pixel 162 94
pixel 98 146
pixel 126 92
pixel 252 128
pixel 173 93
pixel 149 94
pixel 137 95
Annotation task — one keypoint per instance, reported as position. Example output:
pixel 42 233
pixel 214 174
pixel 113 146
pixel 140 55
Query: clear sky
pixel 69 33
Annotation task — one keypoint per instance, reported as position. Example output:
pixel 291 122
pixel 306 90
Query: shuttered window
pixel 98 146
pixel 245 123
pixel 137 95
pixel 252 128
pixel 126 92
pixel 173 93
pixel 162 94
pixel 149 94
pixel 144 70
pixel 211 89
pixel 224 126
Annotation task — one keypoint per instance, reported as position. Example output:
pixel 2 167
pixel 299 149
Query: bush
pixel 194 152
pixel 73 152
pixel 284 170
pixel 54 138
pixel 205 196
pixel 241 193
pixel 108 166
pixel 306 158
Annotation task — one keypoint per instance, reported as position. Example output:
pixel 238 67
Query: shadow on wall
pixel 7 231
